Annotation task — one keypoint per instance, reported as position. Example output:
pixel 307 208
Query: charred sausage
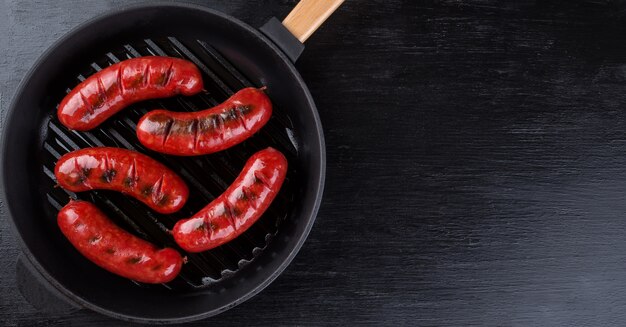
pixel 110 90
pixel 207 131
pixel 229 215
pixel 107 245
pixel 125 171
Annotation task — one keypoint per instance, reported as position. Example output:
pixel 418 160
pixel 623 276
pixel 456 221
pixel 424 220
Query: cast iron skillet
pixel 231 55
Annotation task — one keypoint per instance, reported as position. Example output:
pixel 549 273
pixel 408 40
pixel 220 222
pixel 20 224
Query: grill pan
pixel 231 56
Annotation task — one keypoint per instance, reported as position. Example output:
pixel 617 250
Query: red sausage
pixel 238 208
pixel 112 89
pixel 207 131
pixel 125 171
pixel 96 237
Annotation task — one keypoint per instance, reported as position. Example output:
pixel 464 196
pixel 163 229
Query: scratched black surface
pixel 476 164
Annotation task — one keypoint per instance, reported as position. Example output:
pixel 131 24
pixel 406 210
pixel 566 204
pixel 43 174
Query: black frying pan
pixel 231 55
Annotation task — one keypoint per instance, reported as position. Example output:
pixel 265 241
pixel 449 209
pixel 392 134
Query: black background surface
pixel 476 163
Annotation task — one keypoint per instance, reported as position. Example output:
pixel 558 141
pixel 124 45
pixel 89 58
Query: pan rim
pixel 79 301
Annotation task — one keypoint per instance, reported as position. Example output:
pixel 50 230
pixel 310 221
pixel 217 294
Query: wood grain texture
pixel 476 164
pixel 307 16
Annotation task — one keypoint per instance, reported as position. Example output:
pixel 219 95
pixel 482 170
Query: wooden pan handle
pixel 308 15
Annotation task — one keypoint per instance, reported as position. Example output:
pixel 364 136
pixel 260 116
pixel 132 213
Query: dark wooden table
pixel 476 163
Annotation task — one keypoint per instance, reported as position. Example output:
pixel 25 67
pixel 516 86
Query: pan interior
pixel 231 56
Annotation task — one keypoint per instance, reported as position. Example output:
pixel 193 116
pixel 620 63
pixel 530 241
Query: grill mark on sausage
pixel 212 122
pixel 168 75
pixel 260 179
pixel 133 260
pixel 106 161
pixel 219 125
pixel 207 228
pixel 145 76
pixel 94 239
pixel 231 114
pixel 131 179
pixel 118 79
pixel 133 170
pixel 210 231
pixel 87 103
pixel 229 214
pixel 241 115
pixel 201 227
pixel 241 195
pixel 164 199
pixel 109 173
pixel 204 125
pixel 168 130
pixel 249 197
pixel 146 190
pixel 194 128
pixel 157 190
pixel 102 97
pixel 83 173
pixel 77 168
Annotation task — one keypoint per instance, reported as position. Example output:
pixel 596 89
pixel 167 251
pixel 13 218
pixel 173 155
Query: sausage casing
pixel 112 89
pixel 206 131
pixel 240 206
pixel 107 245
pixel 124 171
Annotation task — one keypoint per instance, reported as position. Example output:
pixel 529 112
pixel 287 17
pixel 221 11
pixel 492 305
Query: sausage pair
pixel 118 251
pixel 195 133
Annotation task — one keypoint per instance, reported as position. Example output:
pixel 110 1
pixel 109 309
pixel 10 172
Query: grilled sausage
pixel 125 171
pixel 107 245
pixel 110 90
pixel 229 215
pixel 207 131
